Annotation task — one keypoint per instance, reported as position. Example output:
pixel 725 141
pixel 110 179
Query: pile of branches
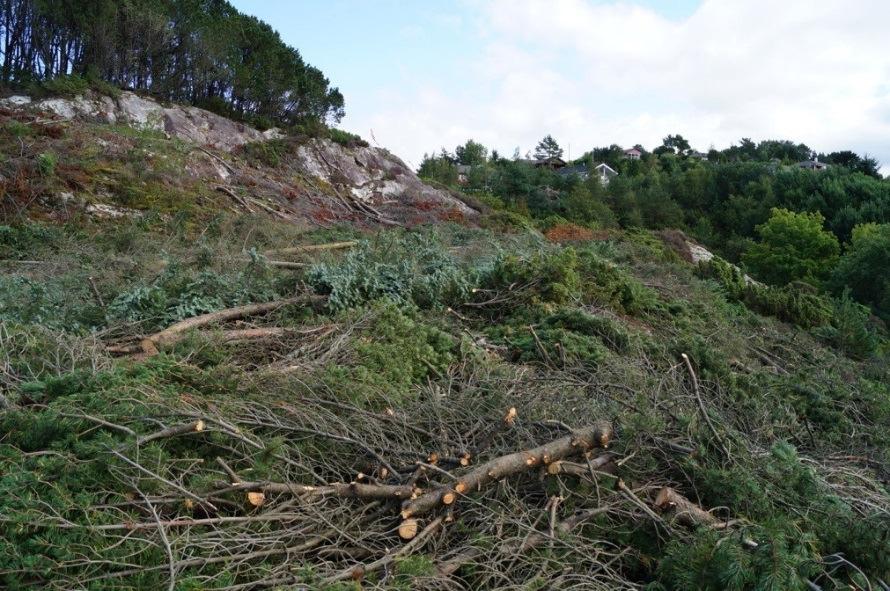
pixel 355 493
pixel 505 479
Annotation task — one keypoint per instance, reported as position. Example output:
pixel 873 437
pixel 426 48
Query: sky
pixel 419 75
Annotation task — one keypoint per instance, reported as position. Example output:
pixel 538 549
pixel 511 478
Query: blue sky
pixel 422 75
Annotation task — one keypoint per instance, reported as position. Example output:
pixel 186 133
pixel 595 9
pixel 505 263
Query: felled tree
pixel 548 148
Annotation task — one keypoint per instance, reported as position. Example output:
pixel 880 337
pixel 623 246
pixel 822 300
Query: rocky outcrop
pixel 190 124
pixel 314 181
pixel 374 176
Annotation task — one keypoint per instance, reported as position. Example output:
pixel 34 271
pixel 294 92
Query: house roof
pixel 606 167
pixel 554 162
pixel 578 169
pixel 812 164
pixel 632 151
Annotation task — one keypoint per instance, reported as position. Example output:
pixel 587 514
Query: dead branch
pixel 195 427
pixel 583 440
pixel 684 511
pixel 348 490
pixel 360 571
pixel 311 248
pixel 175 333
pixel 701 407
pixel 530 542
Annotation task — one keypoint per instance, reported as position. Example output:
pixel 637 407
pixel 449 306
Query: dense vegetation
pixel 202 52
pixel 215 456
pixel 423 340
pixel 744 202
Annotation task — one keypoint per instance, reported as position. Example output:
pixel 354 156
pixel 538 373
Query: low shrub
pixel 406 268
pixel 346 139
pixel 850 330
pixel 392 350
pixel 795 303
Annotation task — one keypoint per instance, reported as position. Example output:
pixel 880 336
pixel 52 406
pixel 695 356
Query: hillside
pixel 286 362
pixel 128 155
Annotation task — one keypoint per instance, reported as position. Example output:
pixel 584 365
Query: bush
pixel 795 303
pixel 46 164
pixel 865 268
pixel 793 246
pixel 392 351
pixel 346 139
pixel 790 303
pixel 849 331
pixel 405 268
pixel 180 293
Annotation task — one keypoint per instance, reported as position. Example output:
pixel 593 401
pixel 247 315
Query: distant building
pixel 579 170
pixel 600 170
pixel 604 172
pixel 813 164
pixel 551 163
pixel 632 154
pixel 697 155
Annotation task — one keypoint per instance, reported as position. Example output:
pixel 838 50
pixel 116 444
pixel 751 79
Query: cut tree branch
pixel 581 441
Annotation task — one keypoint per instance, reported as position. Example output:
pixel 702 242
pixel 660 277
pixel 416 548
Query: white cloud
pixel 591 73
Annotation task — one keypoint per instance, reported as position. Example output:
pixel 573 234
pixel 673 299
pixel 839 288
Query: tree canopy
pixel 548 148
pixel 793 246
pixel 202 52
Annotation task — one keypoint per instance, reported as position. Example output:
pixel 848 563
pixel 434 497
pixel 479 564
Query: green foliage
pixel 548 148
pixel 714 563
pixel 406 268
pixel 791 303
pixel 346 139
pixel 585 204
pixel 68 86
pixel 438 168
pixel 795 303
pixel 793 246
pixel 608 330
pixel 850 330
pixel 206 53
pixel 20 242
pixel 181 293
pixel 864 268
pixel 46 164
pixel 270 153
pixel 394 350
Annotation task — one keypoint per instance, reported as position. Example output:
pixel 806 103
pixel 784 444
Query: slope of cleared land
pixel 202 394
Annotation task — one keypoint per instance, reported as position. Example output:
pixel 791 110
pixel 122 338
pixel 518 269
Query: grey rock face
pixel 186 123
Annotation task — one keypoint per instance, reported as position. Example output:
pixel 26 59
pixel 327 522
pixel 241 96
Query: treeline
pixel 725 199
pixel 202 52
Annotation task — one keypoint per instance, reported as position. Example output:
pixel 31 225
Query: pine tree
pixel 548 148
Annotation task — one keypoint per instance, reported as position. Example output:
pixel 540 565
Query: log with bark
pixel 581 441
pixel 178 331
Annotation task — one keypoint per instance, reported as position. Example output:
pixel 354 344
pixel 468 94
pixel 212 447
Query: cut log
pixel 312 247
pixel 602 463
pixel 582 440
pixel 256 498
pixel 176 332
pixel 685 511
pixel 408 529
pixel 350 490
